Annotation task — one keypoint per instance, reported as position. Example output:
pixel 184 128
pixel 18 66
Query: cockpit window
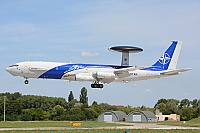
pixel 15 65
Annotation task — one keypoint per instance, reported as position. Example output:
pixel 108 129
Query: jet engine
pixel 81 77
pixel 103 75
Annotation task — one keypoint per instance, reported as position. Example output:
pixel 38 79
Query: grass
pixel 90 124
pixel 109 131
pixel 34 124
pixel 192 123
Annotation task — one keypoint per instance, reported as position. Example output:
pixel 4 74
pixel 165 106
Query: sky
pixel 81 31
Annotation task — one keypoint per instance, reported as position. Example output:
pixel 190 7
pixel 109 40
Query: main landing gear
pixel 26 82
pixel 95 85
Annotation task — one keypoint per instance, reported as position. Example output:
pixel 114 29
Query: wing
pixel 102 76
pixel 121 73
pixel 124 72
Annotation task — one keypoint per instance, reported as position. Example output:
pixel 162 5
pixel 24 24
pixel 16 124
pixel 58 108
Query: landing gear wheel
pixel 96 85
pixel 100 85
pixel 26 82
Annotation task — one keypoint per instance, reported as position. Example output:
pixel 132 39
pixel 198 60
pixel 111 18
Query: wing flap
pixel 124 72
pixel 107 80
pixel 128 69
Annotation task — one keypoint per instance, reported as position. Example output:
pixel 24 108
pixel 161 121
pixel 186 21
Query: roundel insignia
pixel 164 59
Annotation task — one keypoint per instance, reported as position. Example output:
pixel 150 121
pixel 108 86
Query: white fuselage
pixel 78 72
pixel 164 66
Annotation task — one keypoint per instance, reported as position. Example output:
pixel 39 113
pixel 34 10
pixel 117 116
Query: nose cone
pixel 7 69
pixel 11 71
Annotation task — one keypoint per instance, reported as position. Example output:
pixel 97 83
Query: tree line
pixel 38 108
pixel 185 108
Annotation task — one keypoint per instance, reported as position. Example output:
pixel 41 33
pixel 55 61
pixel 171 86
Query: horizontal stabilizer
pixel 175 72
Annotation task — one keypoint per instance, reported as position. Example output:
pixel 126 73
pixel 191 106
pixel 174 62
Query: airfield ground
pixel 92 127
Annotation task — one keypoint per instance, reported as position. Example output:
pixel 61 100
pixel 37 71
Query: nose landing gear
pixel 26 82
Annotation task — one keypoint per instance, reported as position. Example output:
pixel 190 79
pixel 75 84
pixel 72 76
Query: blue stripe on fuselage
pixel 58 71
pixel 153 68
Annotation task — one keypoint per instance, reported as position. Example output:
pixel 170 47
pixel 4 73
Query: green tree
pixel 75 114
pixel 175 101
pixel 70 97
pixel 90 114
pixel 194 103
pixel 107 107
pixel 58 110
pixel 58 113
pixel 167 106
pixel 38 114
pixel 11 96
pixel 13 110
pixel 71 104
pixel 162 107
pixel 83 96
pixel 97 108
pixel 26 115
pixel 185 103
pixel 94 103
pixel 188 113
pixel 171 108
pixel 126 109
pixel 198 108
pixel 43 102
pixel 34 115
pixel 143 108
pixel 162 100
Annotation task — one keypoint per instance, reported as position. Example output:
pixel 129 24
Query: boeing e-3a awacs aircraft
pixel 97 73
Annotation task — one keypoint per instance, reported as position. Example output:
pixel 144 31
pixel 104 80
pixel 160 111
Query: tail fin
pixel 169 59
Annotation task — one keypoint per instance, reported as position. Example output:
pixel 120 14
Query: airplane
pixel 98 73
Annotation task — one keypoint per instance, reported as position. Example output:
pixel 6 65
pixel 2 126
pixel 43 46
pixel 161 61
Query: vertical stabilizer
pixel 169 59
pixel 174 60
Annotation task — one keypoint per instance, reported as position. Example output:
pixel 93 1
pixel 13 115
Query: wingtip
pixel 189 69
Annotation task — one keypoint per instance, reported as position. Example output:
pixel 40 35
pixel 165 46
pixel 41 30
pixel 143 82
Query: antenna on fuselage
pixel 125 50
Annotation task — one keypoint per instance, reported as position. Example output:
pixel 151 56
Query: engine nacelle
pixel 103 75
pixel 80 77
pixel 69 77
